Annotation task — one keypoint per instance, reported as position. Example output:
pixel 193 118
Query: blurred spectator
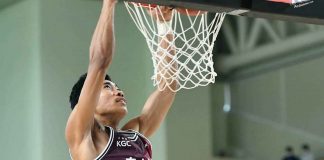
pixel 290 155
pixel 306 153
pixel 222 155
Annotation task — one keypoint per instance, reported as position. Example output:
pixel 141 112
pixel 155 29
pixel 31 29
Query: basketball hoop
pixel 194 36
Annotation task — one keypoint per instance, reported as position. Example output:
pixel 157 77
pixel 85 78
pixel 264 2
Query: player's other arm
pixel 159 102
pixel 101 52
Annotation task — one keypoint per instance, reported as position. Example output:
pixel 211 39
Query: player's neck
pixel 102 125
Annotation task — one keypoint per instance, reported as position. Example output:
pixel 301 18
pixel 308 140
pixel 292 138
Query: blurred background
pixel 269 93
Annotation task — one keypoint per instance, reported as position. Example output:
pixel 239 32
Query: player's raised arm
pixel 159 102
pixel 101 52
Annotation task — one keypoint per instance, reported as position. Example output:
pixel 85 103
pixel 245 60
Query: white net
pixel 192 42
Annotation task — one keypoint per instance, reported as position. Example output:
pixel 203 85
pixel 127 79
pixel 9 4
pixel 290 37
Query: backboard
pixel 306 11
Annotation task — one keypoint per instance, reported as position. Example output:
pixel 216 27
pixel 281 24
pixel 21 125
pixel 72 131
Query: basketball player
pixel 98 105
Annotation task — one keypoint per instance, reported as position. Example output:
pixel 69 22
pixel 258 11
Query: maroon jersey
pixel 126 145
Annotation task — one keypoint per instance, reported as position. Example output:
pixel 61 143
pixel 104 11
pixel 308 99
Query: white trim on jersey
pixel 110 142
pixel 142 136
pixel 134 138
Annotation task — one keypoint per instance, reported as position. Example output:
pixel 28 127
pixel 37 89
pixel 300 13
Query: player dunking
pixel 98 105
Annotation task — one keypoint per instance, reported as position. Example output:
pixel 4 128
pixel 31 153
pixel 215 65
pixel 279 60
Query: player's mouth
pixel 121 100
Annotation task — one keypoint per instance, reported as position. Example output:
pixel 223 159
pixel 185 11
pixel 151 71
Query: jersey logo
pixel 123 144
pixel 125 141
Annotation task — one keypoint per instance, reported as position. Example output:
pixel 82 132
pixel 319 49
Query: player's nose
pixel 119 93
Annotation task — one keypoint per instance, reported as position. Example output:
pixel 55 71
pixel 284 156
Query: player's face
pixel 112 102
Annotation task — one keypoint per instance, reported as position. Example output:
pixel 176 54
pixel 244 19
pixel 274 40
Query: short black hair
pixel 76 90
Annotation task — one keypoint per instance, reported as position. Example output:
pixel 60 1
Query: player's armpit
pixel 133 124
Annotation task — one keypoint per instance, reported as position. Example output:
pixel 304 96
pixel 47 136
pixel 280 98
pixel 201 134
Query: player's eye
pixel 107 86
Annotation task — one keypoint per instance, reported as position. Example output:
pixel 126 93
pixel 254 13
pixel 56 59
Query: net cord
pixel 192 43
